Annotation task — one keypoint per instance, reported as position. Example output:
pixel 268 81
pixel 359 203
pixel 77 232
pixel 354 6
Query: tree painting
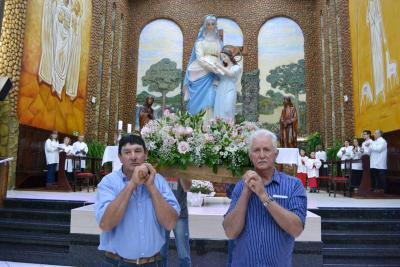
pixel 162 77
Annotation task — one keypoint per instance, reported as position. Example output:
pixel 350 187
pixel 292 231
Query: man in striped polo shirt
pixel 267 211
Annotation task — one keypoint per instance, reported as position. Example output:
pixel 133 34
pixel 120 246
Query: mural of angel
pixel 61 45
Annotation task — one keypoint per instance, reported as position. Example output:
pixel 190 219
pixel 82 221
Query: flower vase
pixel 195 199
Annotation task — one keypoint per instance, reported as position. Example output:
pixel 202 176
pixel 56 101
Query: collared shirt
pixel 138 234
pixel 262 241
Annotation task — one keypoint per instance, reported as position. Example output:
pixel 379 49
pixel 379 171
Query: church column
pixel 11 48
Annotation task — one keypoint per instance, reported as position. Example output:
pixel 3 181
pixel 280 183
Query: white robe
pixel 366 146
pixel 75 51
pixel 51 151
pixel 313 166
pixel 356 154
pixel 378 158
pixel 77 147
pixel 344 154
pixel 68 162
pixel 301 164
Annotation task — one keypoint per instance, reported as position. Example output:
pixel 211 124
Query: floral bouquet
pixel 183 140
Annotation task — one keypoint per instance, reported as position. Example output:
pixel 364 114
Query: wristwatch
pixel 268 201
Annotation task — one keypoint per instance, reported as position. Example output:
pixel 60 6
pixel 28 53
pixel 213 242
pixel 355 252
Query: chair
pixel 342 178
pixel 82 177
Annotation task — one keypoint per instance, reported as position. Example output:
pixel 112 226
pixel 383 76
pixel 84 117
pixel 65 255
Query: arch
pixel 281 42
pixel 161 38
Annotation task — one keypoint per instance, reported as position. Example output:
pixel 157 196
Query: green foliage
pixel 96 149
pixel 162 77
pixel 288 78
pixel 312 141
pixel 200 189
pixel 273 127
pixel 331 152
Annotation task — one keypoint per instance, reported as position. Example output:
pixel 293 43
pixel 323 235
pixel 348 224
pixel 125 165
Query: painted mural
pixel 53 82
pixel 375 41
pixel 281 64
pixel 160 53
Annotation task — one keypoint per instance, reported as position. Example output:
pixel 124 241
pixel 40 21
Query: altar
pixel 205 223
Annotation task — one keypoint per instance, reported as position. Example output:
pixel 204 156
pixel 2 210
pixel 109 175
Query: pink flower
pixel 188 131
pixel 183 147
pixel 167 113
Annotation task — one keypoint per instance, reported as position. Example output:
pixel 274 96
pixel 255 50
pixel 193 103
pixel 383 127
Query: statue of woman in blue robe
pixel 200 79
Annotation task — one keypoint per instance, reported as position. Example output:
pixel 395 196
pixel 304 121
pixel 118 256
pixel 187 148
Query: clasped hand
pixel 144 174
pixel 254 183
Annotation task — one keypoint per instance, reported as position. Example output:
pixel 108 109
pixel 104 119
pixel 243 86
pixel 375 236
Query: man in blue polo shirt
pixel 267 211
pixel 134 206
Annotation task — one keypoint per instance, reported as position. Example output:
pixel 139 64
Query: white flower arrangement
pixel 183 140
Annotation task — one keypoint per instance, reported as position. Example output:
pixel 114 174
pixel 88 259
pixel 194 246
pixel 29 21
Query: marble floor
pixel 315 200
pixel 21 264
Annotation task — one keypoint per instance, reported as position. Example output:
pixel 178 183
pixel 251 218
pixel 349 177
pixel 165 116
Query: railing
pixel 93 165
pixel 335 169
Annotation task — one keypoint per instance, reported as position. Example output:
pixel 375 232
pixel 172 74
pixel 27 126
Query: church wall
pixel 251 16
pixel 109 69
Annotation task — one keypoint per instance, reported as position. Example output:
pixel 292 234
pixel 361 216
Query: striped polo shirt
pixel 262 241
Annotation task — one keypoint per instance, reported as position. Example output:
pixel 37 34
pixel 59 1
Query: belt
pixel 139 261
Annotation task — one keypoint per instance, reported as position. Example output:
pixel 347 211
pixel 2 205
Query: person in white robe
pixel 52 158
pixel 356 167
pixel 345 153
pixel 322 156
pixel 378 162
pixel 80 149
pixel 313 164
pixel 67 148
pixel 302 168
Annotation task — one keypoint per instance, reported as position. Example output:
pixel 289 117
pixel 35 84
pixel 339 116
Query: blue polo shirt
pixel 262 241
pixel 138 234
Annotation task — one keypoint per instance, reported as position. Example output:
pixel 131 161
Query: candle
pixel 119 125
pixel 129 128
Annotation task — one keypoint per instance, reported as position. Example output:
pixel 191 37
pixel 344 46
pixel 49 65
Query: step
pixel 360 225
pixel 34 239
pixel 361 261
pixel 377 252
pixel 36 215
pixel 34 254
pixel 359 265
pixel 360 237
pixel 34 226
pixel 358 213
pixel 62 205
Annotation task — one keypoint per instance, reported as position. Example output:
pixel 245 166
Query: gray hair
pixel 380 132
pixel 263 133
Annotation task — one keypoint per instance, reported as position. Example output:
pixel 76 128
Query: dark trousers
pixel 51 173
pixel 108 262
pixel 356 177
pixel 378 179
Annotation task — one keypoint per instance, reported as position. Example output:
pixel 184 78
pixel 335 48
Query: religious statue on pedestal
pixel 200 78
pixel 288 124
